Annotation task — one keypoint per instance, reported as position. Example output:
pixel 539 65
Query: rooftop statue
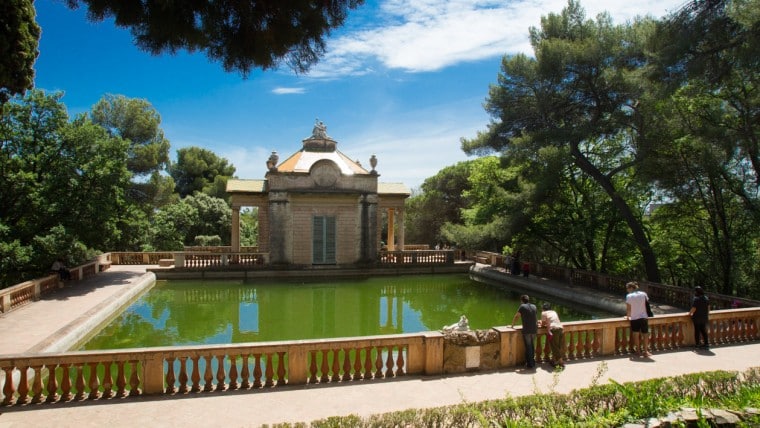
pixel 320 130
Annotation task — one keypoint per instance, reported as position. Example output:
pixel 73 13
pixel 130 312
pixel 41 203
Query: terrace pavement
pixel 47 325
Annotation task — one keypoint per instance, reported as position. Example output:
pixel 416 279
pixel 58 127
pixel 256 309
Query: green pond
pixel 218 312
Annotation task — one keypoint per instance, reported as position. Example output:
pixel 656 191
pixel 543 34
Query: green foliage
pixel 136 121
pixel 61 184
pixel 207 241
pixel 613 404
pixel 200 170
pixel 179 224
pixel 560 119
pixel 249 227
pixel 241 35
pixel 19 36
pixel 630 149
pixel 441 201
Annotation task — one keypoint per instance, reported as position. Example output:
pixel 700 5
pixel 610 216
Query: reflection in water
pixel 202 312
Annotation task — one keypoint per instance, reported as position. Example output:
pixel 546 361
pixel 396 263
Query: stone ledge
pixel 689 417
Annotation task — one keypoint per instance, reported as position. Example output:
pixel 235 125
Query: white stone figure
pixel 462 325
pixel 320 130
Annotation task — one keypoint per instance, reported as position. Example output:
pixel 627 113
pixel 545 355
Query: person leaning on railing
pixel 60 268
pixel 555 333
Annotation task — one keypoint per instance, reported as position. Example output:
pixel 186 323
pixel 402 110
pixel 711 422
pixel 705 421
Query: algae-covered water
pixel 217 312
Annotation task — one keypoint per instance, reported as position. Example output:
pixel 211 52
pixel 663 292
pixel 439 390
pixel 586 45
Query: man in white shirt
pixel 636 312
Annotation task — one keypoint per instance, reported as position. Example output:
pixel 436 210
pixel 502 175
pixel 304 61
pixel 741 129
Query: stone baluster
pixel 346 365
pixel 37 385
pixel 313 367
pixel 170 378
pixel 234 372
pixel 325 369
pixel 579 345
pixel 367 369
pixel 121 380
pixel 66 383
pixel 94 382
pixel 107 380
pixel 80 383
pixel 208 376
pixel 357 374
pixel 183 375
pixel 389 363
pixel 257 371
pixel 379 364
pixel 196 375
pixel 597 341
pixel 245 373
pixel 281 368
pixel 8 389
pixel 335 365
pixel 23 386
pixel 52 385
pixel 269 371
pixel 400 362
pixel 221 384
pixel 134 380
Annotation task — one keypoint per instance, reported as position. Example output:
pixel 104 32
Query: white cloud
pixel 428 35
pixel 288 91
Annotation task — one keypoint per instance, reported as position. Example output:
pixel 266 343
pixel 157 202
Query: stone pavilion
pixel 319 207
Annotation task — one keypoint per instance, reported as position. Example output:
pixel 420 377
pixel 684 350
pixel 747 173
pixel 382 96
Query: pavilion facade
pixel 319 207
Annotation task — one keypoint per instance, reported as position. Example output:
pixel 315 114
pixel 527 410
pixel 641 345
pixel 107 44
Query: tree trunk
pixel 637 229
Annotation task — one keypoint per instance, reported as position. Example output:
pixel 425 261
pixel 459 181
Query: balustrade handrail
pixel 661 293
pixel 53 377
pixel 28 291
pixel 416 257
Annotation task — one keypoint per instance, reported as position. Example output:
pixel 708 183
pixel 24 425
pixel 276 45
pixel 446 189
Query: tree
pixel 240 34
pixel 62 184
pixel 441 200
pixel 707 159
pixel 136 121
pixel 199 170
pixel 178 224
pixel 581 93
pixel 19 38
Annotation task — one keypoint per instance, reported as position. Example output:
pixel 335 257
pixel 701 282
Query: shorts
pixel 640 325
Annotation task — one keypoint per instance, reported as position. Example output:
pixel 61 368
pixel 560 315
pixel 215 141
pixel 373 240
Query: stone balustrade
pixel 96 375
pixel 139 258
pixel 660 293
pixel 30 291
pixel 416 257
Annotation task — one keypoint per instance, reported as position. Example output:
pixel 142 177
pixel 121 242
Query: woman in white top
pixel 555 334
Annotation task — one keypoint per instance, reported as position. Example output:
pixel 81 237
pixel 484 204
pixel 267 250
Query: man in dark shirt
pixel 700 309
pixel 527 311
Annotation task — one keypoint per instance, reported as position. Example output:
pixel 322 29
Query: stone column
pixel 279 226
pixel 391 233
pixel 401 229
pixel 235 238
pixel 368 228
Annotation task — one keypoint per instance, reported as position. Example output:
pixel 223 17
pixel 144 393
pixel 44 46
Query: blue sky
pixel 404 80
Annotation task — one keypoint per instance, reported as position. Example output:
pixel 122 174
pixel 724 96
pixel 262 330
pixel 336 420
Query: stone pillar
pixel 297 366
pixel 433 353
pixel 279 226
pixel 262 240
pixel 235 238
pixel 401 229
pixel 153 375
pixel 391 233
pixel 512 349
pixel 368 228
